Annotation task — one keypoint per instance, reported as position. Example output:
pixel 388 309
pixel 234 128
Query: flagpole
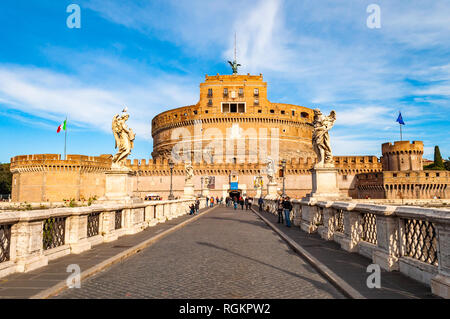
pixel 401 138
pixel 65 140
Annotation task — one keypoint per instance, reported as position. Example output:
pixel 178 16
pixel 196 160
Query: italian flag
pixel 62 126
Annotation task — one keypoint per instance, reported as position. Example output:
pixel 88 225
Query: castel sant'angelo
pixel 229 136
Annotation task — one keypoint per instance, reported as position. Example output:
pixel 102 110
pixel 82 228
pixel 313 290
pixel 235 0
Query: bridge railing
pixel 29 239
pixel 412 240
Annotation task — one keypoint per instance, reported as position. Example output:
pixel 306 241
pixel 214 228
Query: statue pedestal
pixel 258 192
pixel 189 191
pixel 272 191
pixel 205 192
pixel 325 184
pixel 119 185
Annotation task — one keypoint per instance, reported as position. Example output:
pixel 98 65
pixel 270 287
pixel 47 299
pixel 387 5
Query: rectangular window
pixel 272 111
pixel 241 92
pixel 210 92
pixel 256 102
pixel 209 102
pixel 225 91
pixel 259 111
pixel 233 107
pixel 293 113
pixel 282 112
pixel 256 92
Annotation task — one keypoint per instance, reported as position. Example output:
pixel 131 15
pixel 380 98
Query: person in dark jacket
pixel 246 203
pixel 197 206
pixel 280 211
pixel 260 203
pixel 241 202
pixel 287 206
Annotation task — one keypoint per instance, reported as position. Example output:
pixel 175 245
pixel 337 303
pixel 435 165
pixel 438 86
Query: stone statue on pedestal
pixel 124 137
pixel 321 138
pixel 189 172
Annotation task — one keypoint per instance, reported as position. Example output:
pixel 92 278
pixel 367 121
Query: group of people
pixel 284 207
pixel 210 201
pixel 242 201
pixel 194 208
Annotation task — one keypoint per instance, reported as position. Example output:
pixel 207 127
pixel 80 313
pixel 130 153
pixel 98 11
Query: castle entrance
pixel 235 193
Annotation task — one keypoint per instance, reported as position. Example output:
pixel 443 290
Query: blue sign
pixel 233 186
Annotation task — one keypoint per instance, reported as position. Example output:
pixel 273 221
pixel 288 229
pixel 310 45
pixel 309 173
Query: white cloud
pixel 53 95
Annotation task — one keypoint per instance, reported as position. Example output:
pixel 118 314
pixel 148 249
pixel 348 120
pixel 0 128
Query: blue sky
pixel 152 55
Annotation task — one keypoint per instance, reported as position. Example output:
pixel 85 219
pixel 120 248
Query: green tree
pixel 5 179
pixel 447 164
pixel 438 162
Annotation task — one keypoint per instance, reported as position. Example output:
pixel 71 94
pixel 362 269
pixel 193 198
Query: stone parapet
pixel 412 240
pixel 30 244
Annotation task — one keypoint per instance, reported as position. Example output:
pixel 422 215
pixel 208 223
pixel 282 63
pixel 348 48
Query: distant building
pixel 229 134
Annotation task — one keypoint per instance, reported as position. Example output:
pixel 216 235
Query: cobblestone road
pixel 225 254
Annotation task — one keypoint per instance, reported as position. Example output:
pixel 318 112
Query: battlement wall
pixel 54 161
pixel 402 156
pixel 402 147
pixel 404 184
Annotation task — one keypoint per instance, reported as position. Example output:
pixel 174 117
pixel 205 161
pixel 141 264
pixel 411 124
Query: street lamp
pixel 283 167
pixel 171 197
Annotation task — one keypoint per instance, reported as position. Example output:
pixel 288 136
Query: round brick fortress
pixel 234 118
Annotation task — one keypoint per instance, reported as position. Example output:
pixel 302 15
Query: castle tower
pixel 402 156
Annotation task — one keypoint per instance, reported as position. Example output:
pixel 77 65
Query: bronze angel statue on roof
pixel 234 66
pixel 124 137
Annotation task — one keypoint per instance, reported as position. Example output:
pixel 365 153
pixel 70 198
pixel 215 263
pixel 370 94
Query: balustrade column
pixel 308 213
pixel 327 229
pixel 440 284
pixel 297 208
pixel 29 251
pixel 107 226
pixel 352 231
pixel 76 227
pixel 388 245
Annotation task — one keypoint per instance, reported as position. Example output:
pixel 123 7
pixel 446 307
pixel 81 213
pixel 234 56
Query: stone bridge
pixel 155 249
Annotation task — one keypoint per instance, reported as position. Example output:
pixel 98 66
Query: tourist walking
pixel 197 206
pixel 246 203
pixel 287 206
pixel 280 211
pixel 241 202
pixel 260 203
pixel 235 202
pixel 212 201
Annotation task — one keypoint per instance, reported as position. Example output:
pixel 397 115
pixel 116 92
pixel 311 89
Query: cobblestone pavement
pixel 26 285
pixel 224 254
